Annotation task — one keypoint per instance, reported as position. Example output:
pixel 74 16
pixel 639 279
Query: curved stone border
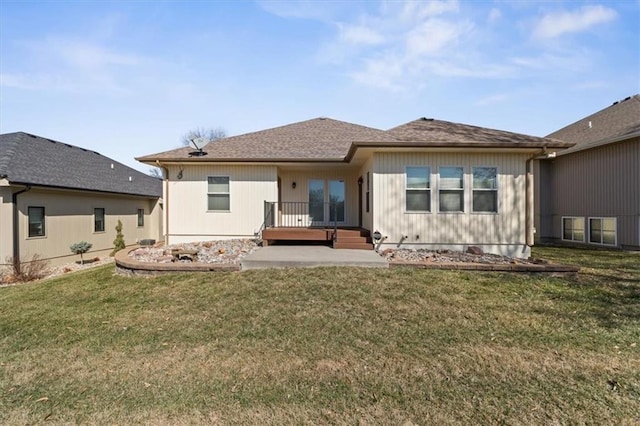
pixel 501 267
pixel 126 265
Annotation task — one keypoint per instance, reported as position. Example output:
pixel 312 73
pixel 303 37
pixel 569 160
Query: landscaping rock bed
pixel 449 256
pixel 226 251
pixel 473 260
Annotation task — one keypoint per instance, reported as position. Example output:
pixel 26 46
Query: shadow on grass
pixel 606 289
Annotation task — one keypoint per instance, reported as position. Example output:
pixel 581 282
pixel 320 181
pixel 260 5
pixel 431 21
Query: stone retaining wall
pixel 126 265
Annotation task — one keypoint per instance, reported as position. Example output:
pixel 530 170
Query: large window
pixel 602 230
pixel 573 229
pixel 98 220
pixel 36 221
pixel 218 193
pixel 418 189
pixel 485 189
pixel 451 189
pixel 140 218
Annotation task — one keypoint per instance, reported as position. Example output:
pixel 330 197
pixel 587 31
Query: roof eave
pixel 156 161
pixel 602 142
pixel 463 145
pixel 68 188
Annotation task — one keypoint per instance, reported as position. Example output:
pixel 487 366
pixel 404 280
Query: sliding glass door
pixel 326 202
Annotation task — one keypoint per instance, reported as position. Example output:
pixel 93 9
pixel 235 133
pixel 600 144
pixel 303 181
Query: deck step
pixel 352 245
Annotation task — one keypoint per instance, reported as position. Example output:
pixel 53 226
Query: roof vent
pixel 590 125
pixel 111 166
pixel 130 179
pixel 426 119
pixel 322 118
pixel 199 153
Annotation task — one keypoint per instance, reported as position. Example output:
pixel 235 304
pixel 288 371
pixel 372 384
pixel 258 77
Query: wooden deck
pixel 346 238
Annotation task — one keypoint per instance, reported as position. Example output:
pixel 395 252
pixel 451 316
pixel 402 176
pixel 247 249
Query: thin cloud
pixel 494 15
pixel 556 24
pixel 492 100
pixel 360 35
pixel 73 66
pixel 434 35
pixel 419 10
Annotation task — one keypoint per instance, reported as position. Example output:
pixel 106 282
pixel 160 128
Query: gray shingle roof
pixel 617 122
pixel 324 139
pixel 30 159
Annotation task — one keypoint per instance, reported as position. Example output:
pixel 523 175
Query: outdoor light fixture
pixel 293 185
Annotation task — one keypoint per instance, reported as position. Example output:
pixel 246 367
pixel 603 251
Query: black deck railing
pixel 300 214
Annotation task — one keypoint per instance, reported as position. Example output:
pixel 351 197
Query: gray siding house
pixel 54 194
pixel 590 194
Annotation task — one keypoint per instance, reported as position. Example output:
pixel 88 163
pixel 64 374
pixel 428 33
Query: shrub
pixel 32 270
pixel 81 248
pixel 118 243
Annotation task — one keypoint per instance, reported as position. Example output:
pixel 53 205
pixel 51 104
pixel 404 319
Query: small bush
pixel 32 270
pixel 118 243
pixel 81 248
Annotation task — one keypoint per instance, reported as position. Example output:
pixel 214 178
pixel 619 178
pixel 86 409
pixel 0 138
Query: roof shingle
pixel 30 159
pixel 428 130
pixel 324 139
pixel 618 121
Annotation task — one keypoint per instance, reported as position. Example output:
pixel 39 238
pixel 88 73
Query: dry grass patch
pixel 328 345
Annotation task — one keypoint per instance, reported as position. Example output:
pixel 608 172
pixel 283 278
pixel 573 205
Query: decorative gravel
pixel 443 256
pixel 55 271
pixel 225 251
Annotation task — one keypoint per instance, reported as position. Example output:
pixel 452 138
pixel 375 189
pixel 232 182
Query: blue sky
pixel 129 78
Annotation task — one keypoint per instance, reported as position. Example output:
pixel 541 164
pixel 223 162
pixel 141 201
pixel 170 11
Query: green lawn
pixel 327 345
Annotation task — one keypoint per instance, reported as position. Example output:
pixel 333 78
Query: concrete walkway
pixel 310 256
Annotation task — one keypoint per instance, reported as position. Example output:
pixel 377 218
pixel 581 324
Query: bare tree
pixel 210 134
pixel 155 172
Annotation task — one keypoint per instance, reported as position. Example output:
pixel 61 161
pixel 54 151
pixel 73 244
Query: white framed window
pixel 218 196
pixel 573 228
pixel 451 189
pixel 417 189
pixel 602 230
pixel 140 218
pixel 485 190
pixel 98 220
pixel 36 221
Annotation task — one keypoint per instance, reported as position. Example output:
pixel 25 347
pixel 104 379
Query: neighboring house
pixel 53 195
pixel 427 183
pixel 591 193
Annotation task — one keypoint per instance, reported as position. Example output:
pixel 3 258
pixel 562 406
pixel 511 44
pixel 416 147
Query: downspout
pixel 16 224
pixel 165 182
pixel 529 207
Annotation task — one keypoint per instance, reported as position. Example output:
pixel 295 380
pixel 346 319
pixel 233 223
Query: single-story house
pixel 590 194
pixel 53 195
pixel 427 183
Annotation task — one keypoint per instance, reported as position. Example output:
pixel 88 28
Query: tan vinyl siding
pixel 301 191
pixel 600 182
pixel 507 227
pixel 188 217
pixel 69 219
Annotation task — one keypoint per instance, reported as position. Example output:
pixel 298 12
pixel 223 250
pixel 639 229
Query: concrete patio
pixel 311 256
